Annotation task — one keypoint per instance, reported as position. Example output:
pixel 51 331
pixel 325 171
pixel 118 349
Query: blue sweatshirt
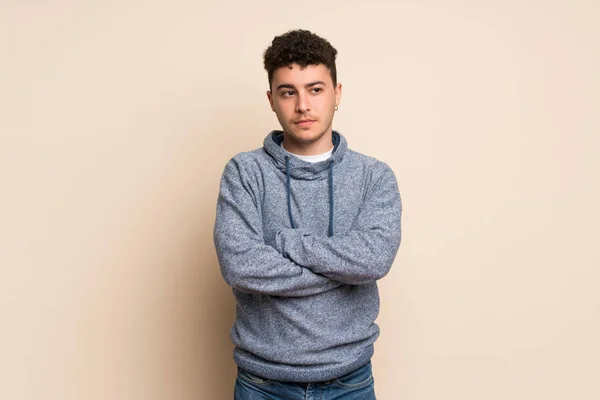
pixel 302 245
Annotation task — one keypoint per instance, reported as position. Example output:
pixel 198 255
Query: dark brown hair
pixel 301 47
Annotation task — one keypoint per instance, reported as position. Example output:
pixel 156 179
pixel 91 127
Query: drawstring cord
pixel 331 198
pixel 289 201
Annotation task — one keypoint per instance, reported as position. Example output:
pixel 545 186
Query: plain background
pixel 117 118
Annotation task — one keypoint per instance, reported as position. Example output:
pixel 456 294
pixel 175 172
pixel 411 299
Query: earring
pixel 336 108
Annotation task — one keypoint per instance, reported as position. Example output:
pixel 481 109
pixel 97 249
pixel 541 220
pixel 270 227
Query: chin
pixel 314 132
pixel 306 136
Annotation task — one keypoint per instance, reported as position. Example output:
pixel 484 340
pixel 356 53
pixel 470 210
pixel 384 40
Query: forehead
pixel 296 75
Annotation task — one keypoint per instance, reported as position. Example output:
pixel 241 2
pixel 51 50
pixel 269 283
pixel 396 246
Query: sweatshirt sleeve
pixel 247 263
pixel 366 252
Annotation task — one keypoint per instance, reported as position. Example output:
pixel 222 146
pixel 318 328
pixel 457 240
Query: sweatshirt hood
pixel 300 169
pixel 304 170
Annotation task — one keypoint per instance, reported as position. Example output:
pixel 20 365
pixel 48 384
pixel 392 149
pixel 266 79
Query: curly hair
pixel 301 47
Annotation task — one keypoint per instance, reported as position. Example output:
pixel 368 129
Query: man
pixel 304 229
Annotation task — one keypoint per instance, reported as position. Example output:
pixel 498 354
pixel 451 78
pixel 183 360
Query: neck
pixel 321 145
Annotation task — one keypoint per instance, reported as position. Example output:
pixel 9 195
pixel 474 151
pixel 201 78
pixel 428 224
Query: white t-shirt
pixel 312 159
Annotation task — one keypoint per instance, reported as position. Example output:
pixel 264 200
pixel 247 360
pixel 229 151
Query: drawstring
pixel 289 202
pixel 287 173
pixel 331 198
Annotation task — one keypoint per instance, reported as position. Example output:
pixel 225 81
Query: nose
pixel 302 104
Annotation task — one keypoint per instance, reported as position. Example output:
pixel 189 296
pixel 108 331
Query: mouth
pixel 305 122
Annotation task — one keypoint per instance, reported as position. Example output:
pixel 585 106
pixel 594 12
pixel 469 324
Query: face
pixel 304 100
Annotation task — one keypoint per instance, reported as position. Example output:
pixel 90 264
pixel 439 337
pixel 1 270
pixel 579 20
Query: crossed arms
pixel 301 263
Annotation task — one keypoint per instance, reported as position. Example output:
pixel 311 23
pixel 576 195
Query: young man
pixel 304 229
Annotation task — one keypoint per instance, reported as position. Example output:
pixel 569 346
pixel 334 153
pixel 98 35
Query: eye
pixel 287 93
pixel 317 90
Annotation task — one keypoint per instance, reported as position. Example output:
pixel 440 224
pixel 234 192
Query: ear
pixel 270 97
pixel 338 94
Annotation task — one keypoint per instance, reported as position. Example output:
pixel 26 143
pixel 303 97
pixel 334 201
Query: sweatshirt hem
pixel 298 374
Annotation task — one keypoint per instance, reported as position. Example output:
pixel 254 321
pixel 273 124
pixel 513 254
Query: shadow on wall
pixel 161 288
pixel 197 292
pixel 153 316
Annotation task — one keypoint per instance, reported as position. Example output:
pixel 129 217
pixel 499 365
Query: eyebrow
pixel 310 84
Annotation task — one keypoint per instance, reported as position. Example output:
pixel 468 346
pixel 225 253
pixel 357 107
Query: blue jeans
pixel 356 385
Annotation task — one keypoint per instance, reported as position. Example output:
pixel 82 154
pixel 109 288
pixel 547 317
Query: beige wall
pixel 116 119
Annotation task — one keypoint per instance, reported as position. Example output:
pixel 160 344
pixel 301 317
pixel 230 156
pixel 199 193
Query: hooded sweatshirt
pixel 302 245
